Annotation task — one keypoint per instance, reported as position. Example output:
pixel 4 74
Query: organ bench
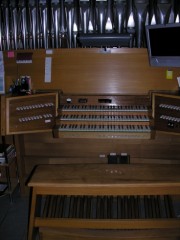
pixel 104 201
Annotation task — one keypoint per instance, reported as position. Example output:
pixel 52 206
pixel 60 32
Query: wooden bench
pixel 60 194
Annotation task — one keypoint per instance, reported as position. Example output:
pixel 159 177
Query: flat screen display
pixel 105 40
pixel 163 43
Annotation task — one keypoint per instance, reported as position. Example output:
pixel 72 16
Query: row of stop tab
pixel 35 106
pixel 46 116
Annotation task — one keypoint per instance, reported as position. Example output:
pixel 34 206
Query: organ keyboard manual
pixel 97 116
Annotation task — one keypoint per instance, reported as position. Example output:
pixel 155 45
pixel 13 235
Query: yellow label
pixel 169 74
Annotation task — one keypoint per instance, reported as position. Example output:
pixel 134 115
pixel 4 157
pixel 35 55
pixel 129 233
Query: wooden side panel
pixel 166 113
pixel 33 113
pixel 3 115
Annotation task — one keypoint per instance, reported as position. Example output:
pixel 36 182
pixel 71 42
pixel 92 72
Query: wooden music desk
pixel 102 180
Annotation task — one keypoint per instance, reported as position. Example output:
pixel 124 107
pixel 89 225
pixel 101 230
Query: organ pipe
pixel 30 24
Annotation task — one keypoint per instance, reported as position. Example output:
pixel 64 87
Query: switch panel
pixel 166 112
pixel 31 113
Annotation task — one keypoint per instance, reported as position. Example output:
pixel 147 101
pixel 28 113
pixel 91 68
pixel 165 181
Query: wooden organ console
pixel 105 107
pixel 147 208
pixel 146 203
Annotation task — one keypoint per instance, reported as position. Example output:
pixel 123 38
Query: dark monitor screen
pixel 105 40
pixel 163 43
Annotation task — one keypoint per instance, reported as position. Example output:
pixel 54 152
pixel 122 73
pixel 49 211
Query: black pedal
pixel 112 158
pixel 124 158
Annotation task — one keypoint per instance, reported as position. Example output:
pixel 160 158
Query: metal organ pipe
pixel 49 26
pixel 109 21
pixel 35 24
pixel 69 10
pixel 172 12
pixel 92 16
pixel 6 18
pixel 14 11
pixel 38 25
pixel 84 16
pixel 141 8
pixel 44 26
pixel 130 23
pixel 63 26
pixel 101 6
pixel 33 13
pixel 76 22
pixel 119 12
pixel 163 10
pixel 176 10
pixel 29 25
pixel 24 26
pixel 151 13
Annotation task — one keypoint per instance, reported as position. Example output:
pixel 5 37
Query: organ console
pixel 108 109
pixel 101 117
pixel 94 116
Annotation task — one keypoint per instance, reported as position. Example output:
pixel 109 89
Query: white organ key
pixel 109 118
pixel 104 128
pixel 103 108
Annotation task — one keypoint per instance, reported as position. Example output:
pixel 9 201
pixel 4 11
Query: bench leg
pixel 31 228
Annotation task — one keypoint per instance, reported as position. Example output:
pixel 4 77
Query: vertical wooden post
pixel 19 145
